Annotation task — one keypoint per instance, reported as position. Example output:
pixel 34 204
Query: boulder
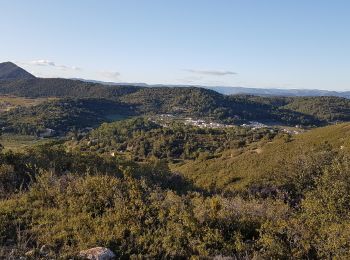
pixel 97 253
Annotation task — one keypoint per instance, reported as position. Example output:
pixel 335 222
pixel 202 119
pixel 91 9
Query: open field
pixel 8 102
pixel 18 143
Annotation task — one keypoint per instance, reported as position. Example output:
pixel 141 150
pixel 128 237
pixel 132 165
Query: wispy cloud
pixel 49 68
pixel 42 63
pixel 212 72
pixel 112 75
pixel 51 64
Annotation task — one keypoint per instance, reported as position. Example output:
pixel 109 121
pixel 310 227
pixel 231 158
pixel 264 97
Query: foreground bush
pixel 71 213
pixel 144 210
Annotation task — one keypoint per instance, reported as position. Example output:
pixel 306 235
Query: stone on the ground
pixel 97 253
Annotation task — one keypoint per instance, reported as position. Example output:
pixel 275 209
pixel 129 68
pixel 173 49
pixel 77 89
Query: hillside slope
pixel 62 115
pixel 142 139
pixel 238 169
pixel 324 108
pixel 10 71
pixel 67 88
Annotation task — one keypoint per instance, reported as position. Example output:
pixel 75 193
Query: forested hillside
pixel 142 139
pixel 247 202
pixel 329 109
pixel 312 111
pixel 62 116
pixel 66 88
pixel 242 169
pixel 201 102
pixel 171 173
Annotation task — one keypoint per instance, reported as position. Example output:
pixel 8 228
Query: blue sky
pixel 248 43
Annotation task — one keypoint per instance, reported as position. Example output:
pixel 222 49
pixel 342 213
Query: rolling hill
pixel 190 101
pixel 63 88
pixel 62 116
pixel 241 169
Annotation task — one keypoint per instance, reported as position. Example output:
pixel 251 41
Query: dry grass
pixel 8 102
pixel 18 143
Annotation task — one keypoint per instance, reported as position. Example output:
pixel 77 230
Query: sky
pixel 285 44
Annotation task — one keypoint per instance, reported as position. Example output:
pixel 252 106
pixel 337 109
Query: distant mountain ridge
pixel 10 71
pixel 280 92
pixel 239 90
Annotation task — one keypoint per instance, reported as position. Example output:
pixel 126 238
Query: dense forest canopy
pixel 62 115
pixel 144 139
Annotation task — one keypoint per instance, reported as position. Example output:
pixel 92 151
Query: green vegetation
pixel 10 102
pixel 328 109
pixel 19 143
pixel 61 116
pixel 241 169
pixel 159 187
pixel 142 139
pixel 324 109
pixel 62 88
pixel 312 111
pixel 207 103
pixel 240 201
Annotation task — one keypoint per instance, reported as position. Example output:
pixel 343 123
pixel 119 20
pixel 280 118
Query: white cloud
pixel 51 64
pixel 212 72
pixel 49 68
pixel 42 63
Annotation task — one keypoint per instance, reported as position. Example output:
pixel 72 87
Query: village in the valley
pixel 166 119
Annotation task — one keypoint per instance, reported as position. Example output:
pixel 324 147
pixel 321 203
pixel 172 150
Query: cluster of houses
pixel 289 131
pixel 254 125
pixel 204 124
pixel 165 119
